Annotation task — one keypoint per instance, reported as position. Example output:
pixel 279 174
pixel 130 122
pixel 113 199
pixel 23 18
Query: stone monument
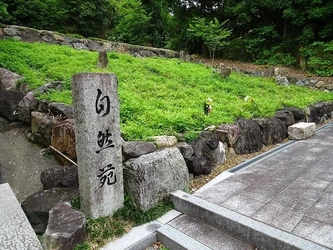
pixel 98 143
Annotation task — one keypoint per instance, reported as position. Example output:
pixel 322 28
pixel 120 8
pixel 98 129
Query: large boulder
pixel 210 138
pixel 9 101
pixel 228 133
pixel 63 140
pixel 8 79
pixel 61 110
pixel 301 130
pixel 60 176
pixel 28 104
pixel 249 139
pixel 273 130
pixel 185 149
pixel 134 149
pixel 298 113
pixel 164 141
pixel 4 124
pixel 151 177
pixel 41 128
pixel 311 114
pixel 38 205
pixel 286 116
pixel 65 229
pixel 30 35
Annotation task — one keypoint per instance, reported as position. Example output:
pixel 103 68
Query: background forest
pixel 288 32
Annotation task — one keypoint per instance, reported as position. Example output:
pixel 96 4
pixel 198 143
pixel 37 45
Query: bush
pixel 273 56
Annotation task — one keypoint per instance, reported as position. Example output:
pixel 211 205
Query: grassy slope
pixel 157 96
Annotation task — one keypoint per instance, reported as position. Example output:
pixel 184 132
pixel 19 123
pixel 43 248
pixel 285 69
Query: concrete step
pixel 237 226
pixel 187 233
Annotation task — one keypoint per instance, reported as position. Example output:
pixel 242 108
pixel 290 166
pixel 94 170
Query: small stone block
pixel 301 130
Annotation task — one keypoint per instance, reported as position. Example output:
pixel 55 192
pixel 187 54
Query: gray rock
pixel 11 32
pixel 61 110
pixel 79 46
pixel 286 116
pixel 48 38
pixel 9 101
pixel 8 79
pixel 219 154
pixel 301 130
pixel 268 72
pixel 102 61
pixel 30 36
pixel 300 83
pixel 311 114
pixel 282 80
pixel 320 85
pixel 224 72
pixel 249 139
pixel 273 131
pixel 185 149
pixel 42 106
pixel 4 124
pixel 48 86
pixel 65 229
pixel 38 205
pixel 150 178
pixel 41 128
pixel 62 177
pixel 228 133
pixel 93 45
pixel 210 138
pixel 164 141
pixel 28 104
pixel 134 149
pixel 146 53
pixel 299 114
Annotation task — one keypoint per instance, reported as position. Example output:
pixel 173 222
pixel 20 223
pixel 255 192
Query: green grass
pixel 157 95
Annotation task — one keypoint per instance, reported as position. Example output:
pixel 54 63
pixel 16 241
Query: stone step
pixel 238 226
pixel 15 229
pixel 187 233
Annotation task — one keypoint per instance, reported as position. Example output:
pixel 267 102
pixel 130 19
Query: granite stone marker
pixel 98 143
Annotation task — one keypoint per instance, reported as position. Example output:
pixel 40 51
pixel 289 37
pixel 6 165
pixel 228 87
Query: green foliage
pixel 213 33
pixel 320 57
pixel 138 217
pixel 157 95
pixel 3 11
pixel 273 56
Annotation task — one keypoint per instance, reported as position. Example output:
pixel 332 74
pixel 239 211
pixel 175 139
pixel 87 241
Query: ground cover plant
pixel 157 95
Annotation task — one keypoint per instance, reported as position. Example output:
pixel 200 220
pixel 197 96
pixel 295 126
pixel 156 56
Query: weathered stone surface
pixel 62 177
pixel 311 114
pixel 79 46
pixel 58 37
pixel 249 139
pixel 282 80
pixel 8 79
pixel 9 101
pixel 228 133
pixel 329 86
pixel 286 116
pixel 63 139
pixel 30 36
pixel 210 138
pixel 273 130
pixel 301 130
pixel 299 114
pixel 38 205
pixel 65 229
pixel 11 31
pixel 281 71
pixel 61 110
pixel 98 143
pixel 320 85
pixel 224 72
pixel 15 231
pixel 185 149
pixel 1 32
pixel 268 72
pixel 102 61
pixel 134 149
pixel 42 106
pixel 93 45
pixel 4 125
pixel 300 83
pixel 28 104
pixel 48 86
pixel 41 128
pixel 150 178
pixel 219 154
pixel 164 141
pixel 48 38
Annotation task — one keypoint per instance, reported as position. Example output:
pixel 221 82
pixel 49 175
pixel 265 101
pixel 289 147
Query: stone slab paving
pixel 291 190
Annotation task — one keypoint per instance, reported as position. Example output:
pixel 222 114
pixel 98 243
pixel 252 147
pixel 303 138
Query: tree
pixel 213 34
pixel 3 11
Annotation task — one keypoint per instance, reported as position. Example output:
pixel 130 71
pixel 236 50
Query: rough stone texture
pixel 41 128
pixel 301 130
pixel 38 205
pixel 102 61
pixel 28 104
pixel 299 114
pixel 48 86
pixel 30 36
pixel 286 116
pixel 249 139
pixel 11 31
pixel 9 101
pixel 134 149
pixel 228 133
pixel 8 79
pixel 311 114
pixel 224 72
pixel 185 149
pixel 58 38
pixel 210 138
pixel 93 45
pixel 98 143
pixel 164 141
pixel 150 178
pixel 61 110
pixel 4 125
pixel 62 177
pixel 273 130
pixel 320 85
pixel 79 46
pixel 65 229
pixel 63 139
pixel 219 154
pixel 282 80
pixel 15 230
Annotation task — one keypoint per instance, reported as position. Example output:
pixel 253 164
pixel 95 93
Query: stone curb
pixel 249 231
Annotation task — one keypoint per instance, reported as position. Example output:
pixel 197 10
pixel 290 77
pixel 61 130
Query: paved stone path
pixel 291 190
